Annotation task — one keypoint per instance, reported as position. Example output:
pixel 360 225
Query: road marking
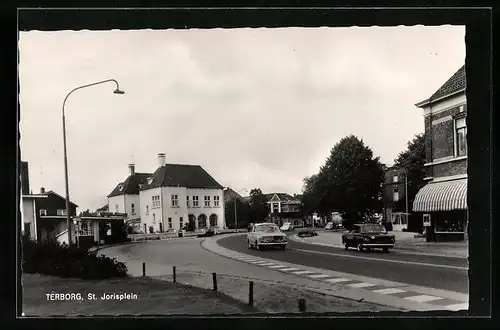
pixel 381 259
pixel 288 269
pixel 303 272
pixel 457 307
pixel 361 285
pixel 278 266
pixel 268 264
pixel 389 291
pixel 338 280
pixel 422 298
pixel 258 262
pixel 319 276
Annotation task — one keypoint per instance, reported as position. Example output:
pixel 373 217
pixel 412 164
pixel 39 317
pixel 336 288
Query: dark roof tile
pixel 181 175
pixel 131 185
pixel 456 83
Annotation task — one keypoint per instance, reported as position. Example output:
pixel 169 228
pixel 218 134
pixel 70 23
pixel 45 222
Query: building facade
pixel 176 194
pixel 396 206
pixel 125 197
pixel 285 208
pixel 442 202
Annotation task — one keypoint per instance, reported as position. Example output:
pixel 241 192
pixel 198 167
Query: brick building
pixel 442 202
pixel 395 202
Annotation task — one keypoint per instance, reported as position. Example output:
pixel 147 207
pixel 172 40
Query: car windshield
pixel 267 228
pixel 373 228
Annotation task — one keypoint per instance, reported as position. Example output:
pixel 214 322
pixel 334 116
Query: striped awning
pixel 442 196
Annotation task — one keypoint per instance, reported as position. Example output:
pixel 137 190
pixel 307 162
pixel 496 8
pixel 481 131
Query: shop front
pixel 102 228
pixel 443 208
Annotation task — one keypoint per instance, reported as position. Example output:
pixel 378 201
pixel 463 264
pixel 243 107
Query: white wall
pixel 196 211
pixel 116 200
pixel 145 200
pixel 28 215
pixel 129 200
pixel 446 104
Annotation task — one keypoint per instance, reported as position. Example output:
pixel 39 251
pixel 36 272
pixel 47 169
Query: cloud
pixel 255 107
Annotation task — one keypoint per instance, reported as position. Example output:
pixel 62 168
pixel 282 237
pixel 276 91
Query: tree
pixel 241 212
pixel 258 209
pixel 413 160
pixel 350 181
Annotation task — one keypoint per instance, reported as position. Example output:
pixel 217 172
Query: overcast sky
pixel 254 107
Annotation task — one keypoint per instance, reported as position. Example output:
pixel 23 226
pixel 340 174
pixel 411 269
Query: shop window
pixel 449 224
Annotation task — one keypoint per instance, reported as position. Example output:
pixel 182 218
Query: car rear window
pixel 373 229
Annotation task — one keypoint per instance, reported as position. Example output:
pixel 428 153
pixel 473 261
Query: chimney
pixel 42 190
pixel 131 168
pixel 161 160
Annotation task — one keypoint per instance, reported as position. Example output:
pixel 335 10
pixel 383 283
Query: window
pixel 196 202
pixel 395 196
pixel 61 212
pixel 132 208
pixel 207 201
pixel 156 202
pixel 169 223
pixel 86 229
pixel 187 201
pixel 147 209
pixel 395 178
pixel 181 223
pixel 154 218
pixel 216 201
pixel 461 137
pixel 117 208
pixel 43 212
pixel 175 200
pixel 120 187
pixel 161 227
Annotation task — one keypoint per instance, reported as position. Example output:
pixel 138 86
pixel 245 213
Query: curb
pixel 102 247
pixel 448 300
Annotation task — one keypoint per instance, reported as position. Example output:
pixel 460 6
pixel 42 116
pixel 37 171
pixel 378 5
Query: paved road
pixel 429 271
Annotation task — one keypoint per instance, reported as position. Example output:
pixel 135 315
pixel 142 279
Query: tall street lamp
pixel 116 91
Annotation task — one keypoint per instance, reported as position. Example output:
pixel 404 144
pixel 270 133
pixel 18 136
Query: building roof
pixel 102 208
pixel 281 196
pixel 131 185
pixel 51 192
pixel 181 175
pixel 456 83
pixel 230 194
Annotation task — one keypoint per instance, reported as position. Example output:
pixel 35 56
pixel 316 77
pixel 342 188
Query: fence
pixel 266 296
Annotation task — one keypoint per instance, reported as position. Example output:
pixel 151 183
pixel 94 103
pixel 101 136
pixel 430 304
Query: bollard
pixel 173 274
pixel 214 279
pixel 143 269
pixel 250 293
pixel 302 305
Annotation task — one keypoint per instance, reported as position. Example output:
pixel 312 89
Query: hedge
pixel 53 258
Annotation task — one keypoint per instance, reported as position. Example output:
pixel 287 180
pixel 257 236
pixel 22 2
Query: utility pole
pixel 406 194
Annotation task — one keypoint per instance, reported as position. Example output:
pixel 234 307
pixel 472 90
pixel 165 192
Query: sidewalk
pixel 405 243
pixel 135 296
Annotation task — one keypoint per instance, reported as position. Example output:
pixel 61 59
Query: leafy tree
pixel 413 160
pixel 258 208
pixel 350 181
pixel 242 212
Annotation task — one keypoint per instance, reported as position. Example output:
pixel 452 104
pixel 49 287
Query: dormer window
pixel 120 187
pixel 150 179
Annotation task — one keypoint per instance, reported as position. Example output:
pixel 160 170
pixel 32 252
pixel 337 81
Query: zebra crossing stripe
pixel 303 272
pixel 268 264
pixel 361 285
pixel 338 280
pixel 277 266
pixel 389 291
pixel 319 276
pixel 422 298
pixel 288 269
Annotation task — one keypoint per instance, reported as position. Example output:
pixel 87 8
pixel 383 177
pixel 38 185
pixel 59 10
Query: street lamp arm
pixel 117 90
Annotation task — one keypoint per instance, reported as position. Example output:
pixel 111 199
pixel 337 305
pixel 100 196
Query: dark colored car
pixel 307 233
pixel 368 236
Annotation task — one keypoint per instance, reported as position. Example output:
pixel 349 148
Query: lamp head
pixel 118 91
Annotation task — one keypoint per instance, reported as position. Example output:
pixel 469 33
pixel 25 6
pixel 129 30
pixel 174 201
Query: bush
pixel 53 258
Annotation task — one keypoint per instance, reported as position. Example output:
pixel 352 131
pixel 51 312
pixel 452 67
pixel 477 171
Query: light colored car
pixel 287 226
pixel 266 235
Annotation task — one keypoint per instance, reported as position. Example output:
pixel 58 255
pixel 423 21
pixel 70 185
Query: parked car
pixel 207 233
pixel 368 236
pixel 266 235
pixel 307 233
pixel 330 226
pixel 287 226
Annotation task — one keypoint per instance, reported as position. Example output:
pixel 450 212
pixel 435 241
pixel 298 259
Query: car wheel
pixel 346 246
pixel 257 246
pixel 249 245
pixel 360 247
pixel 386 249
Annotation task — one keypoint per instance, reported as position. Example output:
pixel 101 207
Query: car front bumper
pixel 273 243
pixel 378 245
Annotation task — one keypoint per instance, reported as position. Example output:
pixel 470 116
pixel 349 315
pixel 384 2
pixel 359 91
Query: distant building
pixel 395 198
pixel 285 208
pixel 442 202
pixel 29 218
